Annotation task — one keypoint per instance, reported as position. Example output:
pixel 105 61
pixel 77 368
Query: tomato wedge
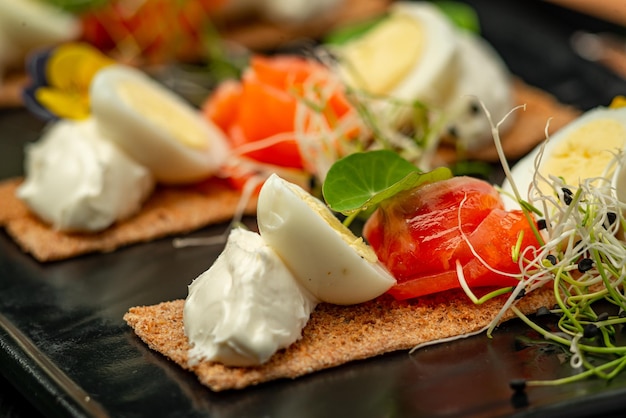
pixel 417 236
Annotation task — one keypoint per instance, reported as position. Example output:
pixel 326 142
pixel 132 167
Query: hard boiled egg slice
pixel 29 24
pixel 35 23
pixel 581 150
pixel 409 56
pixel 155 126
pixel 323 254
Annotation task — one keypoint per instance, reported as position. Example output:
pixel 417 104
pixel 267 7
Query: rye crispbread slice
pixel 334 335
pixel 169 211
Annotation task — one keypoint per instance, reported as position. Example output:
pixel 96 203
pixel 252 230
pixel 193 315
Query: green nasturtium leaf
pixel 362 180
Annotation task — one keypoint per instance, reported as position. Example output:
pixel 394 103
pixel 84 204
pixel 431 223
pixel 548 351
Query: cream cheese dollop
pixel 483 80
pixel 246 306
pixel 77 180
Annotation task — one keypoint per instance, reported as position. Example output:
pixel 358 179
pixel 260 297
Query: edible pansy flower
pixel 60 80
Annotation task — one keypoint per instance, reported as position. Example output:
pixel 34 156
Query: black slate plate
pixel 65 348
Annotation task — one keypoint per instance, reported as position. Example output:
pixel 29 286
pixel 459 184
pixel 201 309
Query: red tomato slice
pixel 417 237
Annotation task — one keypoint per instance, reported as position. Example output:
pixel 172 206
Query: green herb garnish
pixel 360 181
pixel 461 14
pixel 78 6
pixel 347 33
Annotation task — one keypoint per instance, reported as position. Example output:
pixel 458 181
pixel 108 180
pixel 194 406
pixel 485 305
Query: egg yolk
pixel 384 56
pixel 163 113
pixel 586 152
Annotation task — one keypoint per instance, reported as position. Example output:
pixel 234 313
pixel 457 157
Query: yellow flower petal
pixel 62 103
pixel 73 65
pixel 618 101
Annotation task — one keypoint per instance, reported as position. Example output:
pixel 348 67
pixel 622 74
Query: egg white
pixel 524 171
pixel 430 79
pixel 32 23
pixel 323 254
pixel 29 24
pixel 155 126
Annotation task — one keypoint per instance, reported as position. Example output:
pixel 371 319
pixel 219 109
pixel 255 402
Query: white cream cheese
pixel 77 180
pixel 483 80
pixel 246 306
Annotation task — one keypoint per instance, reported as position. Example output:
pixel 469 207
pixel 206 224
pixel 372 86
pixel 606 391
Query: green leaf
pixel 362 180
pixel 78 6
pixel 461 14
pixel 349 32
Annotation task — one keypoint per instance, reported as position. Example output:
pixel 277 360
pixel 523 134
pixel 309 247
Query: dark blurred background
pixel 535 39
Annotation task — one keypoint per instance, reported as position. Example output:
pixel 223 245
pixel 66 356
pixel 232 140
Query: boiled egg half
pixel 583 149
pixel 155 126
pixel 323 254
pixel 417 58
pixel 29 24
pixel 410 55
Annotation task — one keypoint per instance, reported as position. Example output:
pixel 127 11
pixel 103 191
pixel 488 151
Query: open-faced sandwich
pixel 444 259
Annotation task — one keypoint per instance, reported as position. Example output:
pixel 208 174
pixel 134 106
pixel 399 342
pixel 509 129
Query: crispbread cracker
pixel 170 210
pixel 334 334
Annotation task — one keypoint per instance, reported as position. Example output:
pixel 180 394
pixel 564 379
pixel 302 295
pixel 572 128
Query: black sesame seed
pixel 567 195
pixel 453 132
pixel 585 264
pixel 552 259
pixel 521 294
pixel 541 224
pixel 474 108
pixel 611 217
pixel 590 331
pixel 603 316
pixel 518 385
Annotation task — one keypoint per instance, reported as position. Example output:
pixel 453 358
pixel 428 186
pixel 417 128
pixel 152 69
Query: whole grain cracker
pixel 170 210
pixel 334 335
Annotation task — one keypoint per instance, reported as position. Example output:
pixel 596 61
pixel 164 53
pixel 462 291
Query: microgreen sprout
pixel 583 258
